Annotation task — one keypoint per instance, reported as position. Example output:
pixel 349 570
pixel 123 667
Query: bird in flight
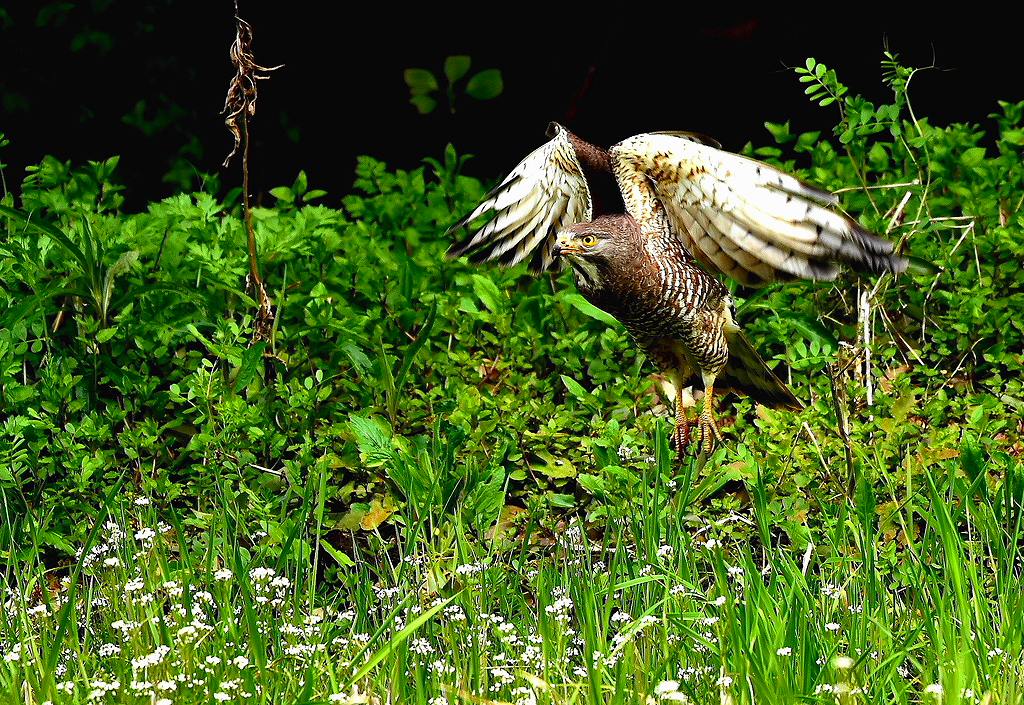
pixel 646 224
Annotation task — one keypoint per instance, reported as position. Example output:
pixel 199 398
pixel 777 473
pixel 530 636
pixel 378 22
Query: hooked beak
pixel 563 245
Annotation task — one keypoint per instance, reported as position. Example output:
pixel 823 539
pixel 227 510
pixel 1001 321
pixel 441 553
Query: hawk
pixel 646 224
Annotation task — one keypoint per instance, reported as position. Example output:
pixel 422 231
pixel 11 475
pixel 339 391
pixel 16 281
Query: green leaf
pixel 455 67
pixel 252 364
pixel 807 140
pixel 373 437
pixel 780 131
pixel 593 484
pixel 588 309
pixel 485 499
pixel 555 468
pixel 340 556
pixel 123 264
pixel 359 359
pixel 420 81
pixel 563 501
pixel 283 193
pixel 106 334
pixel 576 389
pixel 485 85
pixel 1014 137
pixel 57 235
pixel 972 156
pixel 424 104
pixel 811 328
pixel 489 293
pixel 414 347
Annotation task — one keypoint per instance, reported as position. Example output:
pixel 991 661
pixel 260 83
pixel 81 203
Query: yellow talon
pixel 706 425
pixel 681 433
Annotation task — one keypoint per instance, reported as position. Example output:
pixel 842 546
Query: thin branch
pixel 239 107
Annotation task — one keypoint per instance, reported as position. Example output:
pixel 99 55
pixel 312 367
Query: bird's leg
pixel 709 432
pixel 681 433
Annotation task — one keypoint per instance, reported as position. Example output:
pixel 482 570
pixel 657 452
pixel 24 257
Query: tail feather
pixel 748 374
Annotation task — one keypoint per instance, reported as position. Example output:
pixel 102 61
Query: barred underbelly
pixel 698 343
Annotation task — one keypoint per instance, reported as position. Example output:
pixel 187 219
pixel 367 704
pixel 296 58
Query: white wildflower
pixel 134 585
pixel 470 568
pixel 833 591
pixel 109 650
pixel 784 651
pixel 843 663
pixel 151 659
pixel 421 646
pixel 666 687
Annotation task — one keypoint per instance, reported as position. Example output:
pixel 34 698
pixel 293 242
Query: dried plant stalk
pixel 239 106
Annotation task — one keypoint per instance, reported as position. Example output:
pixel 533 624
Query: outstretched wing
pixel 742 217
pixel 544 194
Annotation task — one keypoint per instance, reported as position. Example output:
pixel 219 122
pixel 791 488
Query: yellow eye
pixel 588 240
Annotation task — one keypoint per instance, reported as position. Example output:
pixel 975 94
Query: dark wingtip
pixel 460 247
pixel 453 252
pixel 459 225
pixel 891 264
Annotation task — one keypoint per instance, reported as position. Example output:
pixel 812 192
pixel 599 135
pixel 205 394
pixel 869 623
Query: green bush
pixel 398 381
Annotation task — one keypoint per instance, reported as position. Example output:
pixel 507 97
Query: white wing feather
pixel 544 194
pixel 740 216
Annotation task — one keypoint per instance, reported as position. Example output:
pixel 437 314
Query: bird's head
pixel 596 248
pixel 582 241
pixel 600 241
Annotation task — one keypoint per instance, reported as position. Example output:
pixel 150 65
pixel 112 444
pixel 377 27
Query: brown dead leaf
pixel 377 515
pixel 509 521
pixel 930 456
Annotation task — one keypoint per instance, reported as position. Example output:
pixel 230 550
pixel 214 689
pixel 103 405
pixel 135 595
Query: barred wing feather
pixel 544 194
pixel 740 216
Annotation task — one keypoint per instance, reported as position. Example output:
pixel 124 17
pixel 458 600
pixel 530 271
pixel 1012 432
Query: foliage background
pixel 413 412
pixel 145 80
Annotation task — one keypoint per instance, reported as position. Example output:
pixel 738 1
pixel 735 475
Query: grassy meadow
pixel 438 483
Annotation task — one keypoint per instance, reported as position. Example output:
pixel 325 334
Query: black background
pixel 70 75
